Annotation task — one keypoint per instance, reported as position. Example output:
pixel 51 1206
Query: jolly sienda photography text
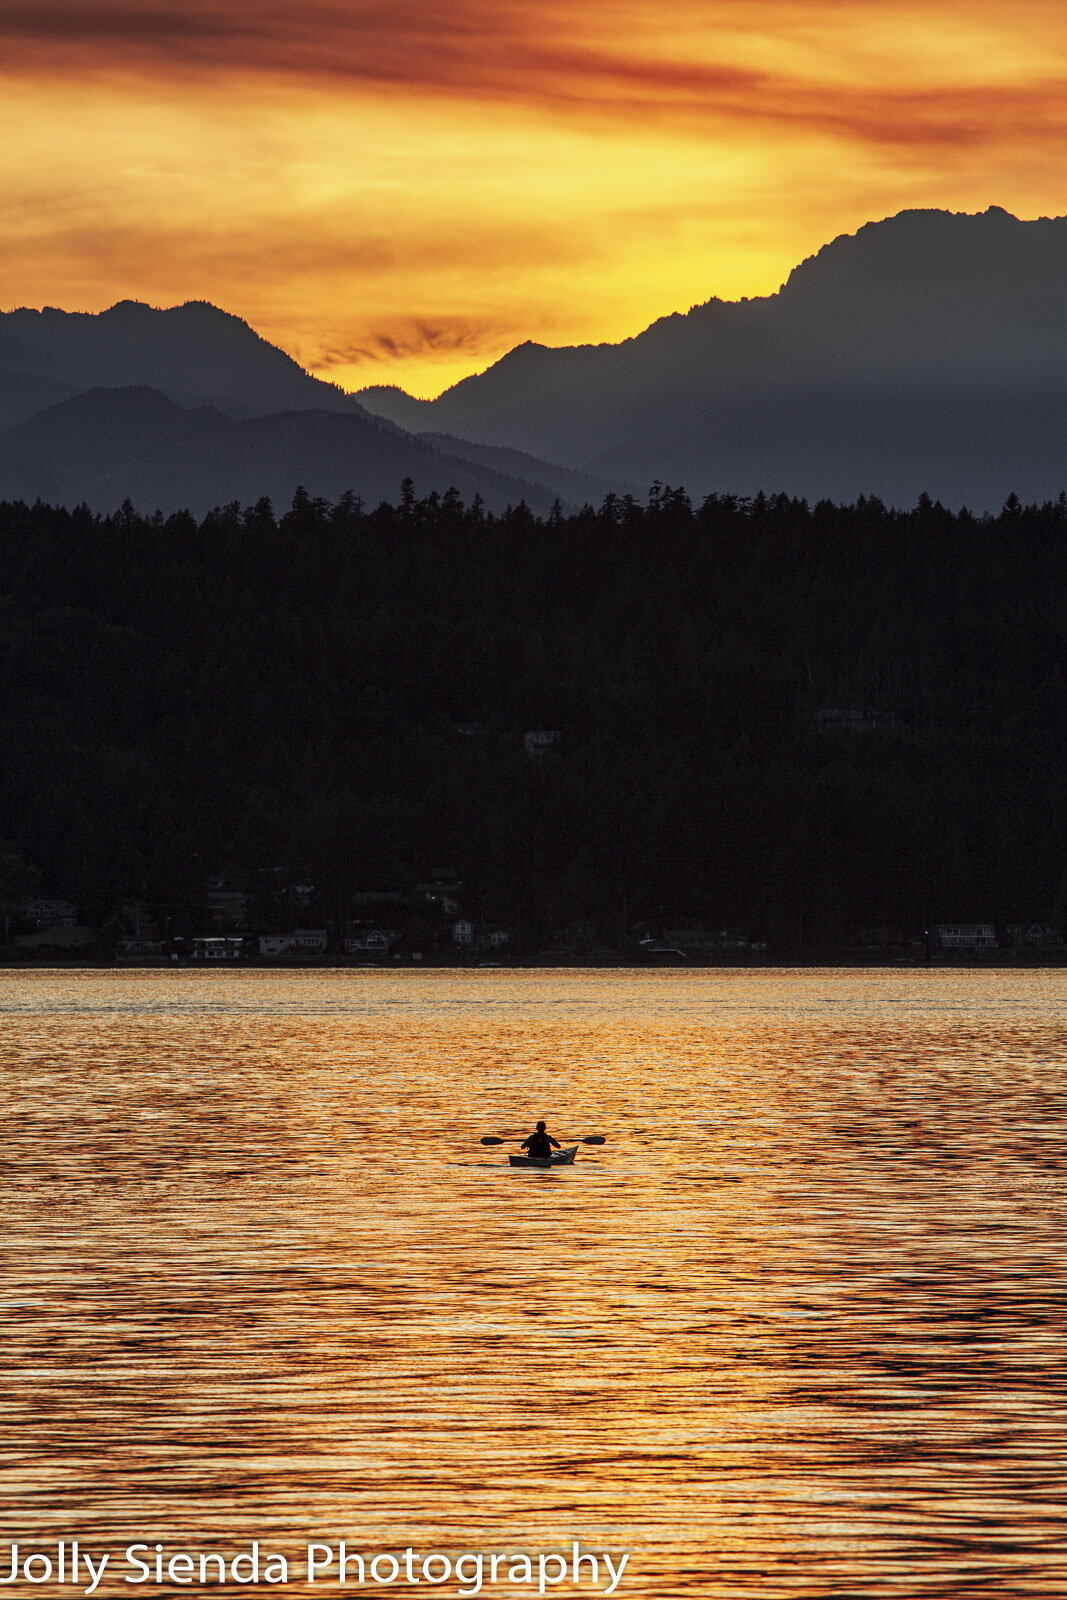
pixel 468 1573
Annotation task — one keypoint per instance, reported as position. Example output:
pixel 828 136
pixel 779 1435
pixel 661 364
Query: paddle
pixel 591 1138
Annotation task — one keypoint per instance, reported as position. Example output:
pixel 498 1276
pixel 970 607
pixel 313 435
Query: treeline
pixel 341 693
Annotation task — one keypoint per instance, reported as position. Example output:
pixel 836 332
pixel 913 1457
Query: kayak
pixel 559 1158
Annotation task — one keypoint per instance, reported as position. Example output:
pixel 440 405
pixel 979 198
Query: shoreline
pixel 788 961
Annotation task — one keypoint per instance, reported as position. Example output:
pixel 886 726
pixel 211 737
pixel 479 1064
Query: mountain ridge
pixel 926 352
pixel 194 352
pixel 929 320
pixel 104 446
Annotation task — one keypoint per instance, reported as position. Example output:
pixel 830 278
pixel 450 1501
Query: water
pixel 798 1330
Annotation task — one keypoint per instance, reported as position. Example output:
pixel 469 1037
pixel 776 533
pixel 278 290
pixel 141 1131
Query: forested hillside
pixel 795 719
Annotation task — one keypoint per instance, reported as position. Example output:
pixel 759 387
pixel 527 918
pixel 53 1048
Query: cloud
pixel 866 73
pixel 411 186
pixel 379 42
pixel 407 339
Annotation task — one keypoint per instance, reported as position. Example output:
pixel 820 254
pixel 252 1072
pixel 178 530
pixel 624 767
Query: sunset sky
pixel 400 191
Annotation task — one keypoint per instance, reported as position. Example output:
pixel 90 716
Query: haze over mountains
pixel 926 353
pixel 189 408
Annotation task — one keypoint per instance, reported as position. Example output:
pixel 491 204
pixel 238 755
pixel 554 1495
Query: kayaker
pixel 540 1144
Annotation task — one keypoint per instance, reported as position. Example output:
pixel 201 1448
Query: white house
pixel 274 945
pixel 1034 936
pixel 964 936
pixel 45 913
pixel 219 947
pixel 463 932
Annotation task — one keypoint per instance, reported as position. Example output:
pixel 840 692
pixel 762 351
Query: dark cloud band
pixel 594 60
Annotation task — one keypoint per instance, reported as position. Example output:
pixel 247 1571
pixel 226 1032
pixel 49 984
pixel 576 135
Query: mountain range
pixel 925 353
pixel 190 408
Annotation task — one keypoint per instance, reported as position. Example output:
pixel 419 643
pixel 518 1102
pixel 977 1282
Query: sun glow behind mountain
pixel 402 193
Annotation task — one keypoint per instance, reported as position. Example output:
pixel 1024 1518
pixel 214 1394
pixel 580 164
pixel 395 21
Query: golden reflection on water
pixel 797 1330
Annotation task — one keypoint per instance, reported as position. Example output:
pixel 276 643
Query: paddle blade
pixel 489 1138
pixel 594 1138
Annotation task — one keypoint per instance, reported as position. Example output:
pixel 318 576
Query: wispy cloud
pixel 881 73
pixel 419 338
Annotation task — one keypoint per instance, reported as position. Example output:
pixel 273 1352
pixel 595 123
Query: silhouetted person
pixel 540 1144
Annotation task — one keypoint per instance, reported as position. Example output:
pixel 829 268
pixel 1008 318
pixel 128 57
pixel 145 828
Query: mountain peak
pixel 128 308
pixel 141 311
pixel 917 252
pixel 925 351
pixel 195 353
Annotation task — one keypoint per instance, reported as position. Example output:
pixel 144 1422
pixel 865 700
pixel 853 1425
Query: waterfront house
pixel 218 947
pixel 1034 936
pixel 138 948
pixel 963 936
pixel 51 913
pixel 363 940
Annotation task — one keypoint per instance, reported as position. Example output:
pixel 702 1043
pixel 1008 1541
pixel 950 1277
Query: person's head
pixel 540 1127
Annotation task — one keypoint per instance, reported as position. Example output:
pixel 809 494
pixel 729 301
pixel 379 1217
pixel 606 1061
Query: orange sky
pixel 400 191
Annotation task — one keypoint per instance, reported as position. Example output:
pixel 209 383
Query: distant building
pixel 310 942
pixel 446 904
pixel 1033 936
pixel 441 890
pixel 541 742
pixel 135 948
pixel 470 935
pixel 363 940
pixel 46 913
pixel 218 947
pixel 275 945
pixel 856 718
pixel 963 936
